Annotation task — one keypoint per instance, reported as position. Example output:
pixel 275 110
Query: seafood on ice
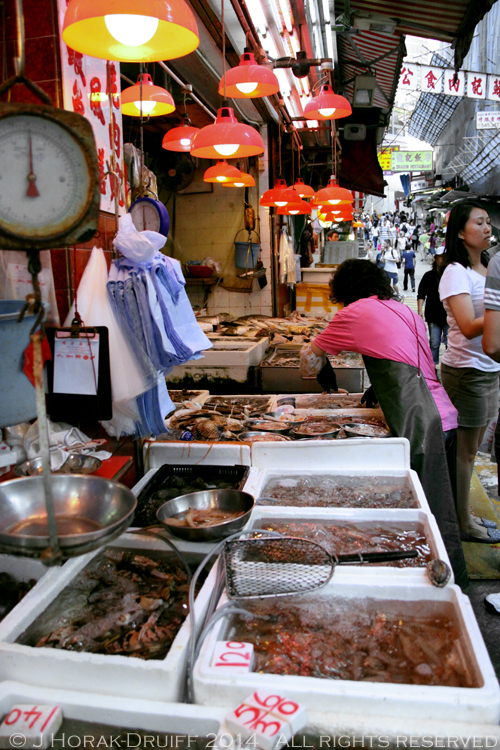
pixel 338 492
pixel 206 424
pixel 356 639
pixel 202 519
pixel 122 603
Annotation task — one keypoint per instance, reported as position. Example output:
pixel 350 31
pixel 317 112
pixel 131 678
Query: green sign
pixel 411 161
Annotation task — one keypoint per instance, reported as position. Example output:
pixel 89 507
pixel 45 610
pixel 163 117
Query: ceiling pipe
pixel 184 85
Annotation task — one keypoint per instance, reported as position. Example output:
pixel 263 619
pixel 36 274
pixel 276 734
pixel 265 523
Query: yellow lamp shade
pixel 155 100
pixel 131 31
pixel 244 180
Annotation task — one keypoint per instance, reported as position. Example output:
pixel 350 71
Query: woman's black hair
pixel 456 252
pixel 357 279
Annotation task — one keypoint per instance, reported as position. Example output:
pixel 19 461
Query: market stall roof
pixel 444 20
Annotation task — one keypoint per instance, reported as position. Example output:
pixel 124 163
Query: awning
pixel 447 20
pixel 370 52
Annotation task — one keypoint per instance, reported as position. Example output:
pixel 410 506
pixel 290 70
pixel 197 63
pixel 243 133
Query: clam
pixel 439 572
pixel 205 429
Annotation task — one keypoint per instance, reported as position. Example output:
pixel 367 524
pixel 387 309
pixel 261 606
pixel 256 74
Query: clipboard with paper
pixel 79 378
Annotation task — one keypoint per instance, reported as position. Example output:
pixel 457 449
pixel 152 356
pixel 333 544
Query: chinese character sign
pixel 384 157
pixel 494 88
pixel 411 161
pixel 488 120
pixel 91 90
pixel 476 85
pixel 454 85
pixel 432 79
pixel 408 78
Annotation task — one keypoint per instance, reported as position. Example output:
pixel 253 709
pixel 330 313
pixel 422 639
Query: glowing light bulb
pixel 131 30
pixel 226 149
pixel 294 212
pixel 327 112
pixel 334 202
pixel 246 88
pixel 221 178
pixel 281 203
pixel 185 141
pixel 239 184
pixel 147 107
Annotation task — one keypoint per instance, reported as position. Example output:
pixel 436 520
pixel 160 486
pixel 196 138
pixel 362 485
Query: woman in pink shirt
pixel 393 342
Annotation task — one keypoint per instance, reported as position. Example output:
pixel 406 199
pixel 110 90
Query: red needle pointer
pixel 32 191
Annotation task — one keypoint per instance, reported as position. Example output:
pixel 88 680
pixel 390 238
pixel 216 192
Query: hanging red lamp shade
pixel 269 197
pixel 249 80
pixel 305 191
pixel 130 31
pixel 244 180
pixel 293 209
pixel 337 218
pixel 221 172
pixel 332 195
pixel 327 105
pixel 227 137
pixel 155 100
pixel 181 137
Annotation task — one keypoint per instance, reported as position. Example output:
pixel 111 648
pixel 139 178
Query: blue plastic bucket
pixel 246 254
pixel 17 395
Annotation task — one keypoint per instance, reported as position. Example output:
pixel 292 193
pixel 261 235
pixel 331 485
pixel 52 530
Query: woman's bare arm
pixel 463 311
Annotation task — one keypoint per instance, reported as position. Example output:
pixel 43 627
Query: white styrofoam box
pixel 200 398
pixel 266 514
pixel 426 702
pixel 258 399
pixel 22 568
pixel 340 396
pixel 108 674
pixel 355 453
pixel 127 713
pixel 409 477
pixel 158 452
pixel 263 342
pixel 227 353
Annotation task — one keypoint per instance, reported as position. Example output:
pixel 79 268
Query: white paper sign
pixel 76 365
pixel 488 120
pixel 431 79
pixel 409 77
pixel 494 88
pixel 476 85
pixel 454 87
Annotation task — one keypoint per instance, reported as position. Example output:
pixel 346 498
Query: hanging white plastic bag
pixel 134 245
pixel 15 280
pixel 127 380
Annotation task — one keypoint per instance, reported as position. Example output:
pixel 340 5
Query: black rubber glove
pixel 327 378
pixel 369 398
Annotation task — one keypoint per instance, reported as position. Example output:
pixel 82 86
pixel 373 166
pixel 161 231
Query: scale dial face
pixel 145 216
pixel 45 178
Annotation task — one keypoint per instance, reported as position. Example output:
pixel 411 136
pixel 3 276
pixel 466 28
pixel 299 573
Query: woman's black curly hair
pixel 357 279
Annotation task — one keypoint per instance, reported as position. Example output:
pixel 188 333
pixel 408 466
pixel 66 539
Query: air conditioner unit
pixel 354 132
pixel 374 22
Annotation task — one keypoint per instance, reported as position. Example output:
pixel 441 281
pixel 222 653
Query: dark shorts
pixel 473 393
pixel 392 276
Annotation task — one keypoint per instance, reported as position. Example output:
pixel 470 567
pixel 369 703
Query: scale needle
pixel 32 191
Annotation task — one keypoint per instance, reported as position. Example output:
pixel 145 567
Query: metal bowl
pixel 76 463
pixel 265 425
pixel 88 510
pixel 255 436
pixel 232 500
pixel 355 429
pixel 332 432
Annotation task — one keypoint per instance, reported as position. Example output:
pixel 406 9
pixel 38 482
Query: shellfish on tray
pixel 207 425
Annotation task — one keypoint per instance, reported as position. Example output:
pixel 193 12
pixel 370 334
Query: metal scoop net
pixel 282 566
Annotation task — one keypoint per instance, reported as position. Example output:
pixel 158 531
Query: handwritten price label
pixel 29 726
pixel 233 656
pixel 272 719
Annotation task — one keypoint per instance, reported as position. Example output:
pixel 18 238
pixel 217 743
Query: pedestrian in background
pixel 435 314
pixel 409 267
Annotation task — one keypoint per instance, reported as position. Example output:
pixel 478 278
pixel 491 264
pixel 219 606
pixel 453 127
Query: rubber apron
pixel 411 412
